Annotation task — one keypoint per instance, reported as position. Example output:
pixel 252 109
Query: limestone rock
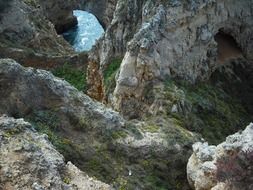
pixel 94 137
pixel 157 39
pixel 29 161
pixel 29 29
pixel 178 42
pixel 25 25
pixel 33 23
pixel 24 90
pixel 226 166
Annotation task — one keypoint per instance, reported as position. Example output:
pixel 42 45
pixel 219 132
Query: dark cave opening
pixel 234 71
pixel 227 47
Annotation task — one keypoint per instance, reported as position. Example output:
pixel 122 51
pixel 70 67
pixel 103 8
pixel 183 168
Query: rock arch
pixel 102 9
pixel 60 12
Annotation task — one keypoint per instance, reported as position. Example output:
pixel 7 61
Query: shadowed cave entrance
pixel 84 35
pixel 234 73
pixel 227 47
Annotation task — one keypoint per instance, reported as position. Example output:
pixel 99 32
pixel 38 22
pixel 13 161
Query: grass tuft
pixel 74 76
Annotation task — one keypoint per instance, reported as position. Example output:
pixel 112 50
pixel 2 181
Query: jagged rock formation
pixel 96 138
pixel 24 25
pixel 226 166
pixel 33 24
pixel 29 161
pixel 28 29
pixel 172 38
pixel 60 12
pixel 24 90
pixel 155 41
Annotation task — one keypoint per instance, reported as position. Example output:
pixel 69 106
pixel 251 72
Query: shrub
pixel 236 169
pixel 74 76
pixel 109 75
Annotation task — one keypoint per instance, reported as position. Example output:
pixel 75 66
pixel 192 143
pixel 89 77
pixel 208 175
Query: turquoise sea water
pixel 84 35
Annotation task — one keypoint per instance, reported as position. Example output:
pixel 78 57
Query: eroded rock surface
pixel 29 161
pixel 25 25
pixel 173 38
pixel 226 166
pixel 25 90
pixel 97 139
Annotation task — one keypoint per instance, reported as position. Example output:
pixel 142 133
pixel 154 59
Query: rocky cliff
pixel 25 25
pixel 95 138
pixel 29 161
pixel 175 70
pixel 31 30
pixel 25 90
pixel 158 39
pixel 34 24
pixel 226 166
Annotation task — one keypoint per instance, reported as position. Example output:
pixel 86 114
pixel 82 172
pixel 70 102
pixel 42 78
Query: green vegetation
pixel 206 109
pixel 33 3
pixel 47 122
pixel 118 134
pixel 152 128
pixel 108 162
pixel 221 114
pixel 66 180
pixel 12 131
pixel 74 76
pixel 109 75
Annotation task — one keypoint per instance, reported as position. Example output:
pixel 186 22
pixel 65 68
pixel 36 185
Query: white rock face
pixel 169 38
pixel 208 164
pixel 178 41
pixel 29 161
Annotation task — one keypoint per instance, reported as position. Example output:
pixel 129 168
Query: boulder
pixel 29 161
pixel 225 166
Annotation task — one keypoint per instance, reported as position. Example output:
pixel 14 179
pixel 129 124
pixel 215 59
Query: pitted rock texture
pixel 222 167
pixel 30 29
pixel 24 90
pixel 29 161
pixel 178 41
pixel 94 137
pixel 33 24
pixel 25 25
pixel 173 38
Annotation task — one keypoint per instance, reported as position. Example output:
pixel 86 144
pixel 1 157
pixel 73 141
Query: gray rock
pixel 208 163
pixel 172 38
pixel 24 90
pixel 37 168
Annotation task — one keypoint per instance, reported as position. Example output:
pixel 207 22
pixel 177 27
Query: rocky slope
pixel 29 161
pixel 24 25
pixel 33 24
pixel 158 64
pixel 158 39
pixel 226 166
pixel 97 139
pixel 29 30
pixel 26 90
